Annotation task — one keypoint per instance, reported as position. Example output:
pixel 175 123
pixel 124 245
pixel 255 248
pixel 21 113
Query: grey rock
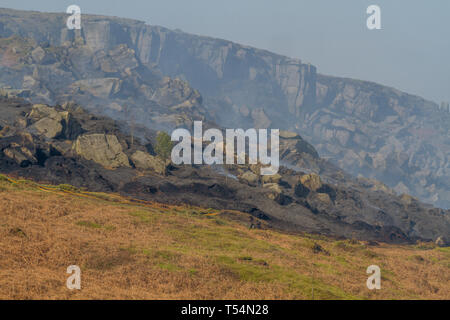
pixel 145 161
pixel 48 127
pixel 249 177
pixel 101 148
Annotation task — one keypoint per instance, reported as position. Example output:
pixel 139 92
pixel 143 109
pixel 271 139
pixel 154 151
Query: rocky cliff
pixel 363 127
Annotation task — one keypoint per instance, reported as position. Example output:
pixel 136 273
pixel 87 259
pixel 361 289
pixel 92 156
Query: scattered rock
pixel 271 179
pixel 317 248
pixel 373 243
pixel 255 168
pixel 17 232
pixel 22 156
pixel 249 177
pixel 40 111
pixel 38 55
pixel 323 197
pixel 275 187
pixel 442 242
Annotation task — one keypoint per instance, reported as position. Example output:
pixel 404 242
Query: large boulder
pixel 39 111
pixel 39 56
pixel 249 177
pixel 104 149
pixel 407 199
pixel 323 198
pixel 48 127
pixel 273 187
pixel 275 190
pixel 275 178
pixel 311 181
pixel 145 161
pixel 51 123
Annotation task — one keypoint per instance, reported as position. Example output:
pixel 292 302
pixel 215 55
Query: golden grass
pixel 155 251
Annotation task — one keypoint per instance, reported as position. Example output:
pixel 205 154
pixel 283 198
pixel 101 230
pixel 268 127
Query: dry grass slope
pixel 152 251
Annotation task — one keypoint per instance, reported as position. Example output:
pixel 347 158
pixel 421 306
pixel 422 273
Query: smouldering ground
pixel 131 251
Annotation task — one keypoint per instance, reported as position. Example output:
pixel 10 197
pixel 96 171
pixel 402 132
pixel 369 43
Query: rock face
pixel 381 133
pixel 101 80
pixel 362 127
pixel 101 148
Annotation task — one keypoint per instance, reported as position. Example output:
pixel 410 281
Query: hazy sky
pixel 411 52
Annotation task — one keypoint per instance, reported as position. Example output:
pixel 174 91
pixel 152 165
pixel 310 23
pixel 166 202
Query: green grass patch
pixel 4 178
pixel 88 224
pixel 425 246
pixel 169 267
pixel 349 245
pixel 193 272
pixel 67 187
pixel 342 261
pixel 295 282
pixel 444 249
pixel 144 216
